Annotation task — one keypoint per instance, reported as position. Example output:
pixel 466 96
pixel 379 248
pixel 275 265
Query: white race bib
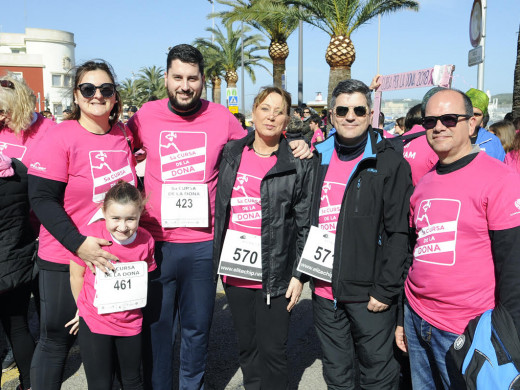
pixel 318 254
pixel 124 289
pixel 184 205
pixel 241 256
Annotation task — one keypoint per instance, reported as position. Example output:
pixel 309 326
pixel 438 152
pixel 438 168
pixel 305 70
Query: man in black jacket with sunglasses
pixel 362 196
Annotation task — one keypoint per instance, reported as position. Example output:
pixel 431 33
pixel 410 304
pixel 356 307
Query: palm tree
pixel 516 84
pixel 339 19
pixel 151 82
pixel 253 12
pixel 213 71
pixel 130 93
pixel 228 50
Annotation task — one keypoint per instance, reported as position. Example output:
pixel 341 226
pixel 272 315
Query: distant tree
pixel 254 13
pixel 130 92
pixel 213 71
pixel 516 83
pixel 339 19
pixel 228 49
pixel 151 82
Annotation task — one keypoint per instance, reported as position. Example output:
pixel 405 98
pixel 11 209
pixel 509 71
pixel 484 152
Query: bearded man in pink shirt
pixel 183 136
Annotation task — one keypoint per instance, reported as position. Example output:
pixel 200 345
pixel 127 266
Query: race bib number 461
pixel 124 289
pixel 318 254
pixel 241 256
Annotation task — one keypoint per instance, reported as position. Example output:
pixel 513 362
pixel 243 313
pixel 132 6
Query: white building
pixel 52 51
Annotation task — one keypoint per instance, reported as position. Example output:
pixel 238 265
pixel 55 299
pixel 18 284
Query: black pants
pixel 13 314
pixel 262 337
pixel 57 307
pixel 98 352
pixel 354 330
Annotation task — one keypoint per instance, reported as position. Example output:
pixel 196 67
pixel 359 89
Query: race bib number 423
pixel 241 256
pixel 184 205
pixel 318 254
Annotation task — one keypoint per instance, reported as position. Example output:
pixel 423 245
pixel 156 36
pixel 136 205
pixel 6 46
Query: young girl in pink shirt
pixel 109 317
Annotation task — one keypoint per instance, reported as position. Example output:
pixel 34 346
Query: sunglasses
pixel 358 110
pixel 448 120
pixel 88 90
pixel 6 84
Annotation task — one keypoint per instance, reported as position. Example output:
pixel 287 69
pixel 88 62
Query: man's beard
pixel 188 106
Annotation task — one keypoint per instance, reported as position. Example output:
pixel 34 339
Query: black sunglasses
pixel 448 120
pixel 358 110
pixel 88 90
pixel 7 84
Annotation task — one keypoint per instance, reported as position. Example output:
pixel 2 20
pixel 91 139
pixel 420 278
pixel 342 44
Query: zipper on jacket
pixel 335 309
pixel 380 240
pixel 268 298
pixel 358 194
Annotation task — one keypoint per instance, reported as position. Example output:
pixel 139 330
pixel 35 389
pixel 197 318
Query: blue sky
pixel 131 34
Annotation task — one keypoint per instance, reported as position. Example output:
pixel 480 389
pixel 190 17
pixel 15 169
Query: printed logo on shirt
pixel 36 165
pixel 107 168
pixel 517 205
pixel 330 205
pixel 12 150
pixel 246 210
pixel 183 156
pixel 436 222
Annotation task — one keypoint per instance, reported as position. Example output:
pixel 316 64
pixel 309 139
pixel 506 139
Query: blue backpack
pixel 488 352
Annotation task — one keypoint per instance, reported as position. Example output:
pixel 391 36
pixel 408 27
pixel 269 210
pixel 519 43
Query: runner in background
pixel 68 177
pixel 262 217
pixel 109 311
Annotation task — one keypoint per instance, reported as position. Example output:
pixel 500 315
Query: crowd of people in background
pixel 408 240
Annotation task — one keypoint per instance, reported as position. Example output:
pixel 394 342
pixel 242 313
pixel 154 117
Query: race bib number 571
pixel 318 254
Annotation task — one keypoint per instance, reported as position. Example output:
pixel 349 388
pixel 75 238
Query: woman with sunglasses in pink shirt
pixel 68 178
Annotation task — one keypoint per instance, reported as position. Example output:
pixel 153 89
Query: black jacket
pixel 285 194
pixel 17 239
pixel 371 248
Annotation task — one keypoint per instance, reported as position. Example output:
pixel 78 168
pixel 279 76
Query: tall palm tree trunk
pixel 516 84
pixel 278 51
pixel 337 74
pixel 216 90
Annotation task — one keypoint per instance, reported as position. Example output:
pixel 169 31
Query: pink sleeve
pixel 133 125
pixel 50 160
pixel 151 251
pixel 503 202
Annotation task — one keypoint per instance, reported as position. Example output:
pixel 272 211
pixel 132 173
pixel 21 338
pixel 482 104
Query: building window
pixel 58 109
pixel 56 80
pixel 18 50
pixel 67 81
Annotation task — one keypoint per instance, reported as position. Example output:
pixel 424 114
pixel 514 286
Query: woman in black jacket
pixel 262 219
pixel 17 246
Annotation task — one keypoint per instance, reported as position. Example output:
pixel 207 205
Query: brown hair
pixel 90 66
pixel 505 131
pixel 124 193
pixel 266 91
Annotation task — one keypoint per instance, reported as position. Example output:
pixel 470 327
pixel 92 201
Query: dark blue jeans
pixel 181 288
pixel 430 362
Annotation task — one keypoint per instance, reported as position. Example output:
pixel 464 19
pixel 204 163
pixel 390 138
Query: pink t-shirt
pixel 123 323
pixel 90 164
pixel 246 207
pixel 317 133
pixel 180 150
pixel 419 155
pixel 452 279
pixel 21 146
pixel 332 193
pixel 513 160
